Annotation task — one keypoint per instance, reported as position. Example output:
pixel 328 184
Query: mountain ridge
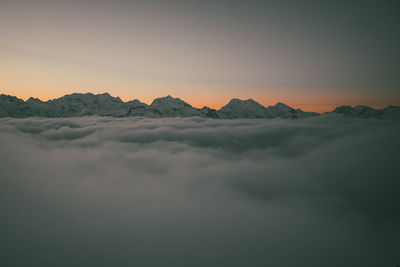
pixel 85 104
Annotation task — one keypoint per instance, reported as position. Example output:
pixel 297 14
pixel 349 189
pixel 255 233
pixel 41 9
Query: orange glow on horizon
pixel 319 103
pixel 28 75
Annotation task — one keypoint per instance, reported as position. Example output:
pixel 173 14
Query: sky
pixel 313 55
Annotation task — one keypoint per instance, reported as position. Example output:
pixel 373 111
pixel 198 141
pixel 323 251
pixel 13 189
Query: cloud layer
pixel 99 191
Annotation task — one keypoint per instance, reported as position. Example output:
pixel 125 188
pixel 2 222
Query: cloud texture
pixel 99 191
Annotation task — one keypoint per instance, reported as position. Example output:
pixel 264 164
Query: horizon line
pixel 194 106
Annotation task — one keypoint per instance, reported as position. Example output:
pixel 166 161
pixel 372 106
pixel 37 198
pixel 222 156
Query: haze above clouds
pixel 100 191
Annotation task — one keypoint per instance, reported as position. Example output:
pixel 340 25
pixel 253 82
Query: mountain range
pixel 77 104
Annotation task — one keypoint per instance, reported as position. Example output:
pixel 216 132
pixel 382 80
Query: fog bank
pixel 101 191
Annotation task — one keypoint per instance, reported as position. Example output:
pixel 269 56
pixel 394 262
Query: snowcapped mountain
pixel 209 112
pixel 368 112
pixel 237 108
pixel 76 105
pixel 10 106
pixel 86 104
pixel 281 110
pixel 174 107
pixel 137 108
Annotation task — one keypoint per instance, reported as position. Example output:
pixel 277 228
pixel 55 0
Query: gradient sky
pixel 309 54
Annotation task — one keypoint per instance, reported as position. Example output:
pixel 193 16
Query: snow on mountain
pixel 137 108
pixel 237 108
pixel 209 112
pixel 282 110
pixel 368 112
pixel 363 111
pixel 67 106
pixel 75 105
pixel 34 107
pixel 86 104
pixel 10 106
pixel 174 107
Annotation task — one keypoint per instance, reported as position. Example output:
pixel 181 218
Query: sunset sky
pixel 309 54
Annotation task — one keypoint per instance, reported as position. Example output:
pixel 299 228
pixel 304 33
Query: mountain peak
pixel 169 106
pixel 11 99
pixel 34 100
pixel 361 111
pixel 168 99
pixel 283 111
pixel 81 104
pixel 237 108
pixel 283 106
pixel 238 101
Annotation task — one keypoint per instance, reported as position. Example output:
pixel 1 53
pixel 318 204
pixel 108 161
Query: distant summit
pixel 77 105
pixel 174 107
pixel 249 108
pixel 368 112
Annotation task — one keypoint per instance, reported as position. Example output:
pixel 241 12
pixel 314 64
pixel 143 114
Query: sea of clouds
pixel 100 191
